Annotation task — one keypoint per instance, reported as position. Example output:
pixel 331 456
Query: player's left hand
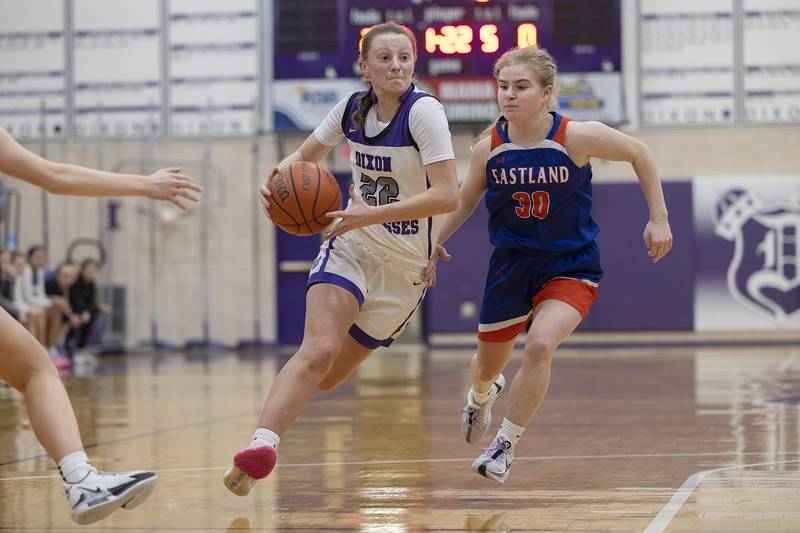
pixel 658 239
pixel 169 184
pixel 356 215
pixel 429 274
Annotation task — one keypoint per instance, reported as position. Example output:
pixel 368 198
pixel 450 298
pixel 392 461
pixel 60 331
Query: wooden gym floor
pixel 633 439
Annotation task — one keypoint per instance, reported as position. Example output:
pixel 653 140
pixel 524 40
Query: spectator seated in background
pixel 30 300
pixel 57 290
pixel 83 300
pixel 7 277
pixel 33 318
pixel 34 296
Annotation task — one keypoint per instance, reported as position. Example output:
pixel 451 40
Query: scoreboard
pixel 316 45
pixel 319 38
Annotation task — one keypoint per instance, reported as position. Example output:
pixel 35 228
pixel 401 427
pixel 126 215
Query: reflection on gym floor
pixel 620 432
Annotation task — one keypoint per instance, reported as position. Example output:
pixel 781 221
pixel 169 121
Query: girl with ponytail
pixel 366 281
pixel 533 165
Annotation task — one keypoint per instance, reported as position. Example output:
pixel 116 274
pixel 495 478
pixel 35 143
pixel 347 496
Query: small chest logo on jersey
pixel 763 274
pixel 530 175
pixel 380 163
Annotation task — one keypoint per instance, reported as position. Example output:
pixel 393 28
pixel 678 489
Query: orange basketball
pixel 301 195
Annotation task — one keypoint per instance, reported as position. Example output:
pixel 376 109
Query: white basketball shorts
pixel 387 294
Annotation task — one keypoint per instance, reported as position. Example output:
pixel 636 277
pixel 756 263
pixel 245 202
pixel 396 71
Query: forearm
pixel 75 180
pixel 287 161
pixel 645 170
pixel 434 201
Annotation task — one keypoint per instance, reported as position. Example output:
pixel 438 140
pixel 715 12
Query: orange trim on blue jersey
pixel 561 134
pixel 496 140
pixel 575 292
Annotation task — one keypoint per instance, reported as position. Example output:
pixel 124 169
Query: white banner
pixel 111 99
pixel 213 60
pixel 592 96
pixel 771 62
pixel 32 68
pixel 302 104
pixel 687 62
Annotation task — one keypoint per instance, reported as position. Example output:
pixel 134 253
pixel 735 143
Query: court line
pixel 457 460
pixel 671 508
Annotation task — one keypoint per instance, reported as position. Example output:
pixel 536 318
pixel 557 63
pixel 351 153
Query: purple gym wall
pixel 708 217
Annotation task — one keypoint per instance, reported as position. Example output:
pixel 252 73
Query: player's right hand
pixel 265 195
pixel 429 274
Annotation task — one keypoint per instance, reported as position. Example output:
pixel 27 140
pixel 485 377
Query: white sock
pixel 264 437
pixel 510 431
pixel 74 467
pixel 481 398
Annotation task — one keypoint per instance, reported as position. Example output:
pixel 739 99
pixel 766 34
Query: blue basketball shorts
pixel 518 280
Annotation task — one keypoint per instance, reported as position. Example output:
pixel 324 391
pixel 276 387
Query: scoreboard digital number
pixel 460 39
pixel 320 38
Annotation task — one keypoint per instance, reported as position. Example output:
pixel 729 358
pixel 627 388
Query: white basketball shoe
pixel 476 418
pixel 99 494
pixel 495 461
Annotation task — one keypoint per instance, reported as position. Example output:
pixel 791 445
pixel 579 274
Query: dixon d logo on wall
pixel 763 272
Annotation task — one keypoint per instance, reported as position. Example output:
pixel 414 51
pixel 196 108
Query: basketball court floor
pixel 628 439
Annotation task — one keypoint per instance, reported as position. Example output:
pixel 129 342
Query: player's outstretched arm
pixel 594 139
pixel 65 179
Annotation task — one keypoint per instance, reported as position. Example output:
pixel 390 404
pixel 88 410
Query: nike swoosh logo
pixel 116 491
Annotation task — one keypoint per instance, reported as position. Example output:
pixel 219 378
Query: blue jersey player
pixel 533 165
pixel 366 281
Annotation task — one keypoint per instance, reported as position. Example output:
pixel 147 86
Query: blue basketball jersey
pixel 538 198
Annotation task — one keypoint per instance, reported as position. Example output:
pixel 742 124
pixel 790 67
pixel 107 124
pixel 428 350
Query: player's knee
pixel 37 366
pixel 318 357
pixel 539 351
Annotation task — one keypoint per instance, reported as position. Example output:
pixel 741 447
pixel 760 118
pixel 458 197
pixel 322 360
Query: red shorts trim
pixel 576 293
pixel 505 334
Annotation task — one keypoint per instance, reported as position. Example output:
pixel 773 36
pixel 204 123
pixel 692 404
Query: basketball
pixel 301 195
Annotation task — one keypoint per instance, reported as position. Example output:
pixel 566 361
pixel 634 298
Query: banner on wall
pixel 302 104
pixel 584 96
pixel 747 230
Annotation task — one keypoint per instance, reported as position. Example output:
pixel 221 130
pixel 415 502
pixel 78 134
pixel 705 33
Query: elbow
pixel 53 180
pixel 451 203
pixel 641 153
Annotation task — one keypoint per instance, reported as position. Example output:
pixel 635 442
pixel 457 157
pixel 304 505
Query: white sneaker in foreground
pixel 475 419
pixel 249 465
pixel 99 494
pixel 495 461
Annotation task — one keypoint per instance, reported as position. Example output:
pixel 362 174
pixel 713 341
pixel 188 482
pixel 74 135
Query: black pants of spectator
pixel 78 338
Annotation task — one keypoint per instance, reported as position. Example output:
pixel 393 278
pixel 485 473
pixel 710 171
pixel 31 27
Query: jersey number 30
pixel 536 204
